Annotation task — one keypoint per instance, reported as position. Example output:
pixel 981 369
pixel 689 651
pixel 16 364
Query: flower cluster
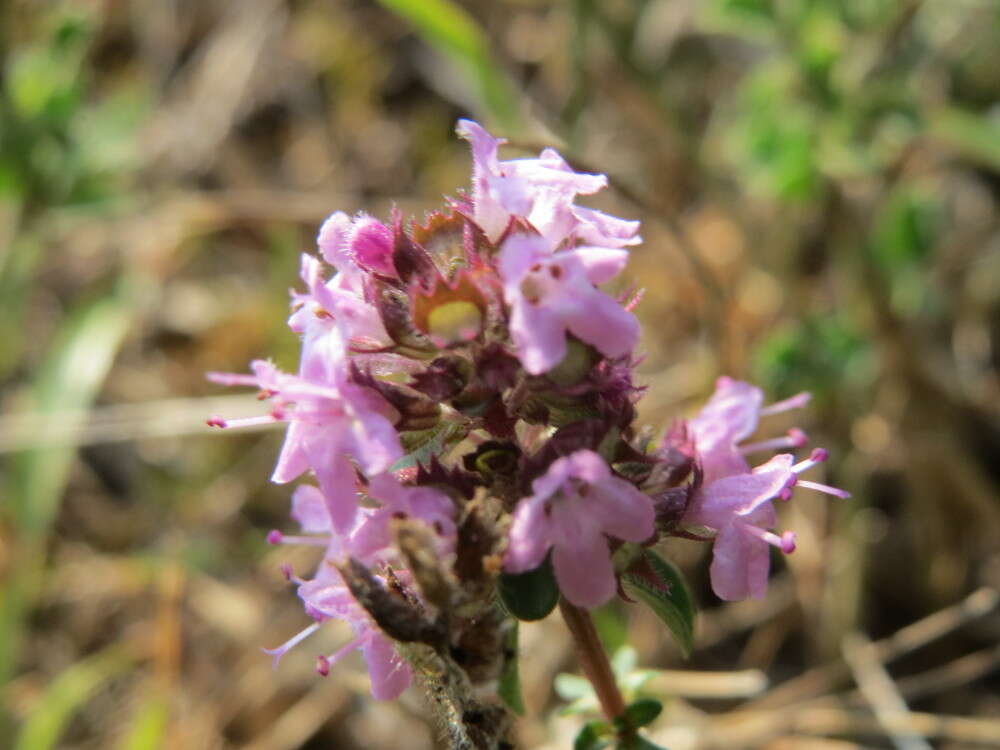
pixel 463 413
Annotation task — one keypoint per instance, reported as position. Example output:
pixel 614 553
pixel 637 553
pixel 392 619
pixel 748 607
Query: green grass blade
pixel 68 692
pixel 448 28
pixel 67 383
pixel 149 726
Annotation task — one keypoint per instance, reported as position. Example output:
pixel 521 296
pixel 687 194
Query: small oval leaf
pixel 531 595
pixel 595 735
pixel 642 712
pixel 659 584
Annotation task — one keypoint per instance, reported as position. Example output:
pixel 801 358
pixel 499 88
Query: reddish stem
pixel 593 660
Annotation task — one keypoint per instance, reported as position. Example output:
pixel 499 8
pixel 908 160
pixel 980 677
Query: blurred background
pixel 818 184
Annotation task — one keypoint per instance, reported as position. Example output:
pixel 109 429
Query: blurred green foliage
pixel 818 182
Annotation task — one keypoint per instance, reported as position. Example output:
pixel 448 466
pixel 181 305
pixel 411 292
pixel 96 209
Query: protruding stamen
pixel 818 456
pixel 250 421
pixel 825 488
pixel 291 643
pixel 795 402
pixel 795 438
pixel 323 662
pixel 276 537
pixel 216 421
pixel 231 378
pixel 785 542
pixel 786 492
pixel 322 666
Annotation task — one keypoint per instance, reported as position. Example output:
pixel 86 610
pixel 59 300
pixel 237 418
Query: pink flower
pixel 573 506
pixel 729 418
pixel 550 293
pixel 335 308
pixel 331 421
pixel 436 509
pixel 735 501
pixel 539 190
pixel 327 597
pixel 739 508
pixel 351 245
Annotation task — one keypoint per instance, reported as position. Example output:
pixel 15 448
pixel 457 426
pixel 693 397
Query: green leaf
pixel 421 445
pixel 595 735
pixel 531 595
pixel 659 584
pixel 635 742
pixel 66 694
pixel 447 27
pixel 509 688
pixel 641 712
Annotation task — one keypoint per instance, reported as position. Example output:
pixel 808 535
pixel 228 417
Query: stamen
pixel 818 456
pixel 216 421
pixel 795 438
pixel 323 662
pixel 291 643
pixel 785 542
pixel 251 421
pixel 795 402
pixel 786 492
pixel 825 488
pixel 276 537
pixel 232 378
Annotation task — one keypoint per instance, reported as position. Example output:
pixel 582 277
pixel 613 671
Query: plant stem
pixel 593 660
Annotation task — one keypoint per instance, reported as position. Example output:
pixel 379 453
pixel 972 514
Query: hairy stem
pixel 593 660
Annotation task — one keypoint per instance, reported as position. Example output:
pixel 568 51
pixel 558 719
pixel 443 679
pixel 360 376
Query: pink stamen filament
pixel 795 438
pixel 324 662
pixel 291 643
pixel 795 402
pixel 825 488
pixel 276 537
pixel 818 456
pixel 785 542
pixel 232 378
pixel 247 421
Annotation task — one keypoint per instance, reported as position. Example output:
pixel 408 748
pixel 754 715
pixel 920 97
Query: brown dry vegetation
pixel 205 143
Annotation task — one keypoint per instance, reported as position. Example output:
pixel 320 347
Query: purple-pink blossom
pixel 550 293
pixel 572 508
pixel 540 191
pixel 327 597
pixel 374 534
pixel 735 501
pixel 332 423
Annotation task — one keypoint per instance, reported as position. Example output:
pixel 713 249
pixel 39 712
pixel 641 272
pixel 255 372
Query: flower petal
pixel 390 674
pixel 584 571
pixel 309 509
pixel 740 565
pixel 604 324
pixel 530 536
pixel 622 510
